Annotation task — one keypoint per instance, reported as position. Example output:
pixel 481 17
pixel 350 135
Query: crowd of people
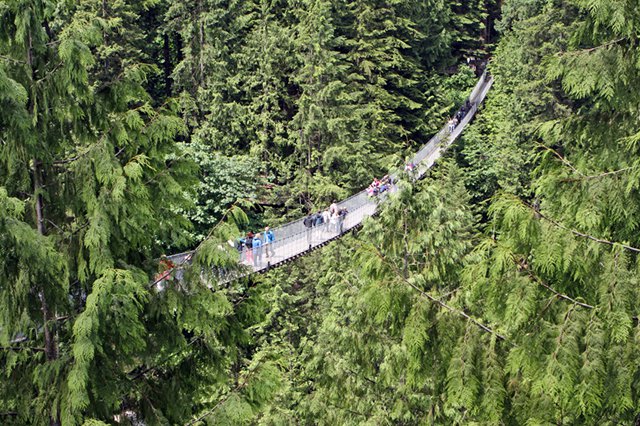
pixel 459 116
pixel 378 186
pixel 252 246
pixel 329 220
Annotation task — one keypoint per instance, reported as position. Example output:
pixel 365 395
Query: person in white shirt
pixel 326 218
pixel 333 208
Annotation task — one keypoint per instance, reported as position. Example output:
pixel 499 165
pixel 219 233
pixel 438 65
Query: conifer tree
pixel 559 269
pixel 496 151
pixel 537 323
pixel 472 26
pixel 365 354
pixel 90 183
pixel 320 124
pixel 387 97
pixel 301 86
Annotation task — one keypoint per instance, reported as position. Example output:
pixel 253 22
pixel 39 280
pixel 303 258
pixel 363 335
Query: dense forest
pixel 502 288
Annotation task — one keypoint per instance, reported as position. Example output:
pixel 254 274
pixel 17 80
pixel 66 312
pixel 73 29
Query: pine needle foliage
pixel 528 317
pixel 558 266
pixel 91 183
pixel 321 95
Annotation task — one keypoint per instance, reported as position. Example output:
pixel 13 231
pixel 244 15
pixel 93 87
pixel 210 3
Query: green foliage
pixel 91 179
pixel 553 271
pixel 471 26
pixel 364 340
pixel 323 95
pixel 224 181
pixel 534 320
pixel 502 289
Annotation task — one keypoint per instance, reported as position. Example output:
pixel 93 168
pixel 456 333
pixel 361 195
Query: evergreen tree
pixel 523 314
pixel 362 339
pixel 535 321
pixel 308 89
pixel 321 123
pixel 559 270
pixel 496 151
pixel 472 26
pixel 90 183
pixel 387 90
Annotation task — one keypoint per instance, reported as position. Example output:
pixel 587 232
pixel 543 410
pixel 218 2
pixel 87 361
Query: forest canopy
pixel 502 288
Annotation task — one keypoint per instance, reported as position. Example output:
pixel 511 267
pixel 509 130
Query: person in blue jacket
pixel 269 241
pixel 257 249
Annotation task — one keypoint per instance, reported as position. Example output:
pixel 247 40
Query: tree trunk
pixel 50 346
pixel 166 51
pixel 201 39
pixel 405 237
pixel 106 39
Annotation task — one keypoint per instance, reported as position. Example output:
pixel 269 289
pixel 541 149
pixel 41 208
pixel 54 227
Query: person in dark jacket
pixel 342 214
pixel 248 244
pixel 308 223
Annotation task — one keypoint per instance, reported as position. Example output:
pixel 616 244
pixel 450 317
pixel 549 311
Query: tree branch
pixel 557 293
pixel 578 233
pixel 592 49
pixel 564 160
pixel 15 61
pixel 163 361
pixel 439 302
pixel 21 348
pixel 589 237
pixel 598 176
pixel 218 404
pixel 198 247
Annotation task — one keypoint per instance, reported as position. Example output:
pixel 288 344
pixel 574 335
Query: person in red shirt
pixel 165 269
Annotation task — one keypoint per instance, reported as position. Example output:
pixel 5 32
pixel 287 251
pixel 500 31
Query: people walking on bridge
pixel 385 184
pixel 257 249
pixel 335 218
pixel 248 247
pixel 374 188
pixel 318 219
pixel 410 169
pixel 269 241
pixel 237 244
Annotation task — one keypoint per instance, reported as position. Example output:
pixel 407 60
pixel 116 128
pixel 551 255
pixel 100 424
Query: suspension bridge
pixel 293 239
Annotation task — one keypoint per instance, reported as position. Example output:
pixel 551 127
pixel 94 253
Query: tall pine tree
pixel 90 183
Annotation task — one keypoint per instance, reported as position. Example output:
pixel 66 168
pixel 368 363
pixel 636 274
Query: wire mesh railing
pixel 294 238
pixel 272 254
